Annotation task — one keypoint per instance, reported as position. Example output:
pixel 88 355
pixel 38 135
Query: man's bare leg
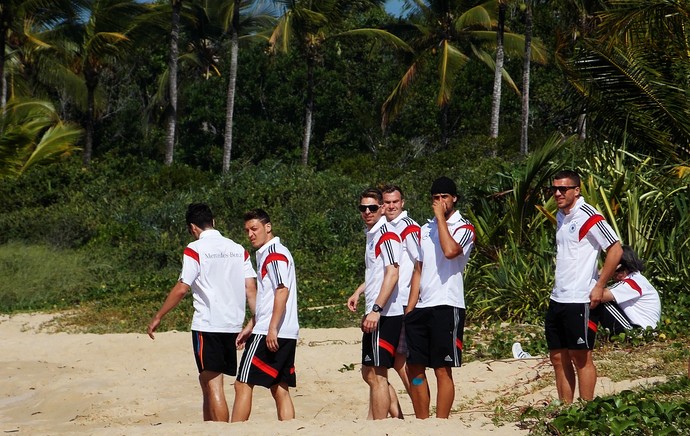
pixel 284 405
pixel 586 373
pixel 215 406
pixel 379 396
pixel 446 391
pixel 419 390
pixel 242 407
pixel 565 374
pixel 395 411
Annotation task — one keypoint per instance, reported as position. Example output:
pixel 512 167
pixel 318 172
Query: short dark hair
pixel 389 189
pixel 200 215
pixel 629 260
pixel 372 193
pixel 257 214
pixel 568 174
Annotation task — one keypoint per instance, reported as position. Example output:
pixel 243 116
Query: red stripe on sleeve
pixel 191 253
pixel 469 227
pixel 633 284
pixel 264 367
pixel 386 346
pixel 592 326
pixel 273 257
pixel 411 229
pixel 388 236
pixel 591 221
pixel 246 255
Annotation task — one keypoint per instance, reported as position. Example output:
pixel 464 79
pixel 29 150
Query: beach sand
pixel 59 383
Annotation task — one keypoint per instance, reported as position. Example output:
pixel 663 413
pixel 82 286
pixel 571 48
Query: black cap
pixel 444 185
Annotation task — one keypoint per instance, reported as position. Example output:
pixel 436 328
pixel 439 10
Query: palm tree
pixel 92 42
pixel 524 131
pixel 31 134
pixel 309 24
pixel 439 30
pixel 172 79
pixel 498 70
pixel 630 76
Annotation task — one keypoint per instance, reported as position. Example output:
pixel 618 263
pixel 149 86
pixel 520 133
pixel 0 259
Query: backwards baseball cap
pixel 444 185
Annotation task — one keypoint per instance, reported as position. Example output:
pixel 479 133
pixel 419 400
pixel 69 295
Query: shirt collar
pixel 209 233
pixel 452 220
pixel 397 219
pixel 272 241
pixel 378 225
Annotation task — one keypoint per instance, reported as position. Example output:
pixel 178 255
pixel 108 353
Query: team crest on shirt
pixel 572 228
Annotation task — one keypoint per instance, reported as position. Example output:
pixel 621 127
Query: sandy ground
pixel 58 383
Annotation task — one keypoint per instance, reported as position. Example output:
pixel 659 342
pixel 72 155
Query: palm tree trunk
pixel 91 103
pixel 4 19
pixel 232 85
pixel 172 83
pixel 500 55
pixel 524 146
pixel 308 111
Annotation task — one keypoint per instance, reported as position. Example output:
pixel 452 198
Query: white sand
pixel 128 384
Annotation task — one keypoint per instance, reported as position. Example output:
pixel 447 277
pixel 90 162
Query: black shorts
pixel 610 316
pixel 434 336
pixel 215 352
pixel 378 348
pixel 260 366
pixel 568 326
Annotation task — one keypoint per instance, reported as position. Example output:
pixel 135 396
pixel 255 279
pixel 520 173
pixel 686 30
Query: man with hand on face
pixel 435 314
pixel 271 336
pixel 220 275
pixel 382 321
pixel 581 234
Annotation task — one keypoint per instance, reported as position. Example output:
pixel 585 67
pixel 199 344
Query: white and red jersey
pixel 580 236
pixel 410 235
pixel 276 269
pixel 215 268
pixel 383 249
pixel 638 299
pixel 441 282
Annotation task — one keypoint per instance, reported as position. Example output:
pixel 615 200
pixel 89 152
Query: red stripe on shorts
pixel 263 366
pixel 387 346
pixel 458 343
pixel 592 326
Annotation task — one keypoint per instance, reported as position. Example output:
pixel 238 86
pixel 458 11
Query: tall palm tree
pixel 438 31
pixel 498 70
pixel 173 60
pixel 308 25
pixel 92 42
pixel 31 133
pixel 524 130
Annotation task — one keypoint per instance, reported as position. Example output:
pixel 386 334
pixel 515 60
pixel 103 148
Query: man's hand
pixel 352 301
pixel 153 325
pixel 272 340
pixel 370 322
pixel 439 208
pixel 595 296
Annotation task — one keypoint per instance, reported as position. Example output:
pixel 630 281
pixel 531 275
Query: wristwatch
pixel 376 308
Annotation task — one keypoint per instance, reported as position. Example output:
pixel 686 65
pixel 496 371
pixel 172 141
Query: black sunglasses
pixel 561 189
pixel 372 207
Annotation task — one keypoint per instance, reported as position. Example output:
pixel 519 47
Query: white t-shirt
pixel 410 234
pixel 276 267
pixel 215 268
pixel 441 282
pixel 638 299
pixel 383 249
pixel 580 237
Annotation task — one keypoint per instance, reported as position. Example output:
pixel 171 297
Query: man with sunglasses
pixel 219 272
pixel 435 314
pixel 382 321
pixel 581 234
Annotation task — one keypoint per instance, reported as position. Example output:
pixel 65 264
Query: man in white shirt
pixel 220 275
pixel 581 234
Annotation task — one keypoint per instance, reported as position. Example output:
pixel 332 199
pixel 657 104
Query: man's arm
pixel 613 257
pixel 250 290
pixel 414 287
pixel 176 295
pixel 451 249
pixel 608 296
pixel 279 304
pixel 354 298
pixel 390 279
